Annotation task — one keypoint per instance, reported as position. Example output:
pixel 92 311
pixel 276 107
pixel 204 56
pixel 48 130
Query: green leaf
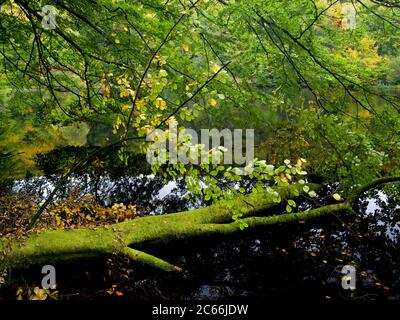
pixel 337 197
pixel 280 169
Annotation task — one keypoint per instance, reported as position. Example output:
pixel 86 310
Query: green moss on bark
pixel 53 246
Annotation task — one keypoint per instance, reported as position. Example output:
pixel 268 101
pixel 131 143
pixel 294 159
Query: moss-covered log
pixel 53 246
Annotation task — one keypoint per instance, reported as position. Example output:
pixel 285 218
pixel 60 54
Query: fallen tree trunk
pixel 51 246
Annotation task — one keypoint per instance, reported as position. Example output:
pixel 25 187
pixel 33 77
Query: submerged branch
pixel 149 260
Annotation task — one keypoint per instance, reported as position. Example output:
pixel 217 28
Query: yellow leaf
pixel 215 68
pixel 213 102
pixel 125 107
pixel 161 104
pixel 107 90
pixel 186 47
pixel 127 93
pixel 163 73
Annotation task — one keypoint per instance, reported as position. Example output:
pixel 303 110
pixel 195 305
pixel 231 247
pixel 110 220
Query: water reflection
pixel 150 193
